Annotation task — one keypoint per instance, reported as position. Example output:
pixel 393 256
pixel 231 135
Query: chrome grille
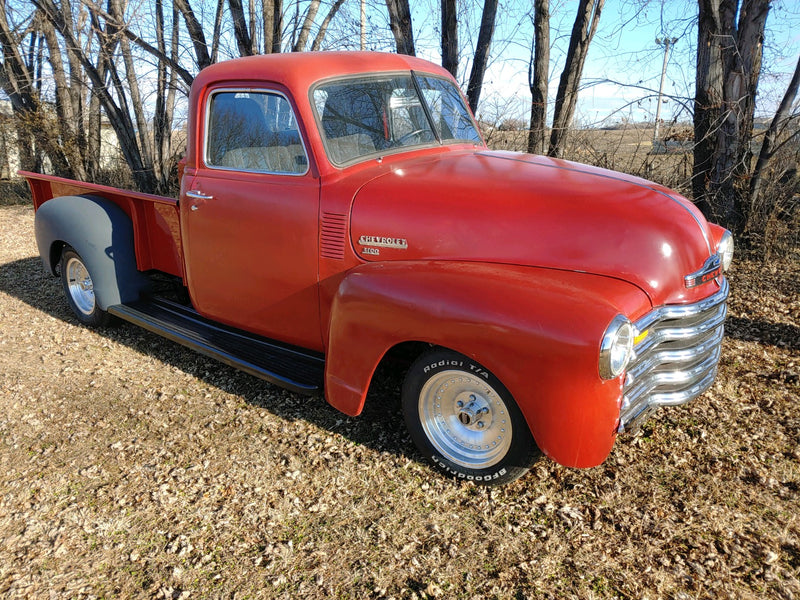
pixel 677 360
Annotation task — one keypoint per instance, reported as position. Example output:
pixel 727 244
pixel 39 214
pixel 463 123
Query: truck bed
pixel 156 221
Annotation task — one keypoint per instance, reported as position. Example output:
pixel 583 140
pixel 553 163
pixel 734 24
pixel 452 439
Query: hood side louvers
pixel 333 235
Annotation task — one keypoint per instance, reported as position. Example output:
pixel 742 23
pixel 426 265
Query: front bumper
pixel 676 357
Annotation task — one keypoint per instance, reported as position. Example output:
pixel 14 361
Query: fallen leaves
pixel 131 467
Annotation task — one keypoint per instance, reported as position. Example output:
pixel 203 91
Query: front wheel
pixel 465 421
pixel 79 289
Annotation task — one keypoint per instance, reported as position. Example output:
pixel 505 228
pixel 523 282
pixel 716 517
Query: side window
pixel 254 131
pixel 447 109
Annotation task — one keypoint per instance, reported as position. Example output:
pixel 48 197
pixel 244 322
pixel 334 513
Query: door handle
pixel 198 195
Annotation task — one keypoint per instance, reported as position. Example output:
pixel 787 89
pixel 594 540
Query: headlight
pixel 725 250
pixel 616 349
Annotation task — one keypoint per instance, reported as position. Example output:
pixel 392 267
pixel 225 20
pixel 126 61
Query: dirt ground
pixel 131 467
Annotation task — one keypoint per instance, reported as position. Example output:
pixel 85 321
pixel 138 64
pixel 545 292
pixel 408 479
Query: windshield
pixel 381 114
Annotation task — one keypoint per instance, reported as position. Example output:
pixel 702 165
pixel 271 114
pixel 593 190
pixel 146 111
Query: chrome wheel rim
pixel 80 286
pixel 465 419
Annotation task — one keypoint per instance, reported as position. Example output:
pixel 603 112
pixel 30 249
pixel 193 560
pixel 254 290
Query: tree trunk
pixel 68 121
pixel 727 72
pixel 142 130
pixel 217 33
pixel 253 41
pixel 450 37
pixel 323 29
pixel 196 34
pixel 37 127
pixel 400 22
pixel 160 128
pixel 769 146
pixel 165 99
pixel 277 38
pixel 77 84
pixel 538 80
pixel 305 30
pixel 268 21
pixel 481 57
pixel 241 31
pixel 567 96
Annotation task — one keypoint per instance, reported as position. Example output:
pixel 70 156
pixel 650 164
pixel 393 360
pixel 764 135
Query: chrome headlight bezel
pixel 616 348
pixel 725 250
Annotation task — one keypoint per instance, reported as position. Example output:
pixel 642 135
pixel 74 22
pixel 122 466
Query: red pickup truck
pixel 339 209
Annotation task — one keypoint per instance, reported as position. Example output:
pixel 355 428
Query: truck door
pixel 250 219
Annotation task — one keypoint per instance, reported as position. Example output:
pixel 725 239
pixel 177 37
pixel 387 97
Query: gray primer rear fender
pixel 102 234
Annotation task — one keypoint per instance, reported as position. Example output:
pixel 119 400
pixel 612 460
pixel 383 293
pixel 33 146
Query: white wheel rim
pixel 80 286
pixel 465 419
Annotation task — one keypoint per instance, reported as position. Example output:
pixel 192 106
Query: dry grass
pixel 130 467
pixel 14 192
pixel 626 149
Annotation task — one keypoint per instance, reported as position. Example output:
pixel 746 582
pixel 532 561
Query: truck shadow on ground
pixel 782 335
pixel 380 427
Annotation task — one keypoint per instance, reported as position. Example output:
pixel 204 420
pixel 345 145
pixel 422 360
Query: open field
pixel 625 149
pixel 131 467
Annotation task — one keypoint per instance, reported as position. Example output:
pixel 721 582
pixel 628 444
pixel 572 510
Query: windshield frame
pixel 413 76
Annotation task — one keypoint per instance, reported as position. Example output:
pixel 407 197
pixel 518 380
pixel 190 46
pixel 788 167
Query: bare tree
pixel 272 15
pixel 41 128
pixel 567 96
pixel 537 77
pixel 97 12
pixel 728 69
pixel 117 89
pixel 305 29
pixel 450 37
pixel 68 105
pixel 400 23
pixel 323 28
pixel 481 58
pixel 166 88
pixel 770 145
pixel 195 30
pixel 242 29
pixel 17 80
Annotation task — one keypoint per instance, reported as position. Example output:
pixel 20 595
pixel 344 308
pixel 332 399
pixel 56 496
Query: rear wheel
pixel 465 421
pixel 79 289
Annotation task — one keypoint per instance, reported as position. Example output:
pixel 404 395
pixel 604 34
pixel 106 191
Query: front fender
pixel 102 234
pixel 538 330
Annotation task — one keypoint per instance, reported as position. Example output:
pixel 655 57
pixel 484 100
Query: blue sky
pixel 623 69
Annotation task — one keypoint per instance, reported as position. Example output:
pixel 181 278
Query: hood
pixel 503 207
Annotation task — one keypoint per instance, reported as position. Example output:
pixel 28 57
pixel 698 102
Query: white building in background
pixel 110 153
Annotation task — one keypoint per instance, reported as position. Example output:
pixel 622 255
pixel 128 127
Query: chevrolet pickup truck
pixel 338 210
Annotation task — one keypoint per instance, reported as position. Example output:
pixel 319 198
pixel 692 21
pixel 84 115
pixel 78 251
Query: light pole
pixel 666 42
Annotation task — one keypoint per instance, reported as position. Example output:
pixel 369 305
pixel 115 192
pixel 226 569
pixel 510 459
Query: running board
pixel 287 366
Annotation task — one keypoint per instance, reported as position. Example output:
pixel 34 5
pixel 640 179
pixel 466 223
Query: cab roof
pixel 297 71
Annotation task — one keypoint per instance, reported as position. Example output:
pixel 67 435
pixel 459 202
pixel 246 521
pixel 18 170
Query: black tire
pixel 79 290
pixel 464 420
